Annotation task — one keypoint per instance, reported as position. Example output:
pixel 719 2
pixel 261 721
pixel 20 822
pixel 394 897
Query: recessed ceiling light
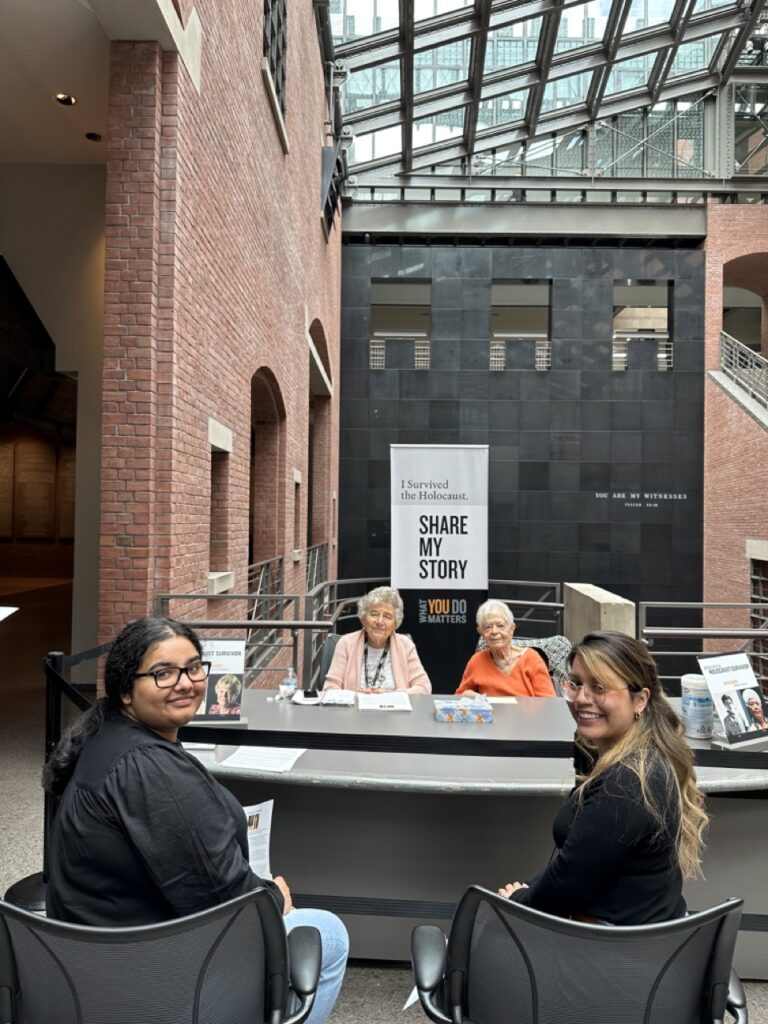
pixel 66 99
pixel 93 136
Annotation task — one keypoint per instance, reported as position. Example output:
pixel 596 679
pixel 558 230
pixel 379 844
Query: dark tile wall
pixel 565 444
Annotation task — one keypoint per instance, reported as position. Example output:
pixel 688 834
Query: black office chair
pixel 509 964
pixel 226 965
pixel 326 657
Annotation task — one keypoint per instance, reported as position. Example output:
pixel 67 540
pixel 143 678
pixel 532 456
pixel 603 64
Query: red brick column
pixel 130 401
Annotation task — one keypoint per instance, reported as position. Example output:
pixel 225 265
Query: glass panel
pixel 504 160
pixel 508 46
pixel 351 19
pixel 502 110
pixel 690 139
pixel 372 86
pixel 539 154
pixel 582 25
pixel 570 152
pixel 629 145
pixel 710 5
pixel 754 52
pixel 630 74
pixel 441 65
pixel 429 8
pixel 694 56
pixel 605 138
pixel 566 92
pixel 660 141
pixel 437 127
pixel 645 13
pixel 385 142
pixel 751 143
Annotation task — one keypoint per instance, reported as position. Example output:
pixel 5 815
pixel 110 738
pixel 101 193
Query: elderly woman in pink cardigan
pixel 376 657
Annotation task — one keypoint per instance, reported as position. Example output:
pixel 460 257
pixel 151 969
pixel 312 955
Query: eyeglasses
pixel 599 693
pixel 170 675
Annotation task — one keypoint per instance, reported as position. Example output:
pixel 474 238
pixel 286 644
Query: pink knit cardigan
pixel 407 670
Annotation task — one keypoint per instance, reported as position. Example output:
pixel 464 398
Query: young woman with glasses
pixel 143 832
pixel 632 829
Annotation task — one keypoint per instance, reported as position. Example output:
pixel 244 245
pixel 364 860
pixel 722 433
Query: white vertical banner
pixel 439 532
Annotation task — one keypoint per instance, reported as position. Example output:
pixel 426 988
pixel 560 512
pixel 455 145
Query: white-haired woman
pixel 376 657
pixel 755 710
pixel 503 669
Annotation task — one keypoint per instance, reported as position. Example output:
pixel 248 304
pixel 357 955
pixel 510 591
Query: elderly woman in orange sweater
pixel 503 669
pixel 376 657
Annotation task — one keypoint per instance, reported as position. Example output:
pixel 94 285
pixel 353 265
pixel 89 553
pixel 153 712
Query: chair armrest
pixel 305 951
pixel 736 1000
pixel 429 959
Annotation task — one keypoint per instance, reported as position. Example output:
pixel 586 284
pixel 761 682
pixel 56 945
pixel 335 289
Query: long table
pixel 388 816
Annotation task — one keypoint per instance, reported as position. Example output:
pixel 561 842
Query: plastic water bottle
pixel 288 684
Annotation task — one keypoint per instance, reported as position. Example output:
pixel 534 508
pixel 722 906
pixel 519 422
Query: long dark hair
pixel 122 664
pixel 654 740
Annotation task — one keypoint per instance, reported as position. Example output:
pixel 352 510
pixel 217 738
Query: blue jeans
pixel 335 940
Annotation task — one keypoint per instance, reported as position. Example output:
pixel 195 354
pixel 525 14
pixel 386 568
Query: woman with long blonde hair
pixel 633 827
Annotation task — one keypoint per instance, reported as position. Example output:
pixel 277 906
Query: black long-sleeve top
pixel 144 833
pixel 610 862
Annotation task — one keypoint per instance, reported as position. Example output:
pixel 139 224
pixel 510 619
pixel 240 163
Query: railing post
pixel 53 665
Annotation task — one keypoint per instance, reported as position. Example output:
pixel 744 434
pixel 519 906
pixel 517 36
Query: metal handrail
pixel 745 367
pixel 667 633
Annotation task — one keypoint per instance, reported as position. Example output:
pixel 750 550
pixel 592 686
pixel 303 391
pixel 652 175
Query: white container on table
pixel 698 709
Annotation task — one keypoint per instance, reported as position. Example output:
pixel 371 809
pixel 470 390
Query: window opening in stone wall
pixel 219 525
pixel 296 516
pixel 641 335
pixel 758 619
pixel 400 325
pixel 275 18
pixel 520 325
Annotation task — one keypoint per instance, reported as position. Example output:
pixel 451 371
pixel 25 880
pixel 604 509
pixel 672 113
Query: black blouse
pixel 144 833
pixel 610 861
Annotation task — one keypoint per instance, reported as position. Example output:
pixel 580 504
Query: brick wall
pixel 216 262
pixel 735 445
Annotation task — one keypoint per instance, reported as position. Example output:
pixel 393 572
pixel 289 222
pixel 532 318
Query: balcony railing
pixel 317 565
pixel 745 367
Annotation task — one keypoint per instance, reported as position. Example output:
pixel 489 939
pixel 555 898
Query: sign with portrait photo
pixel 224 693
pixel 739 704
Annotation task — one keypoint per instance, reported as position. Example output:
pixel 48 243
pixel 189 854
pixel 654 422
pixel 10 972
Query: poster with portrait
pixel 736 695
pixel 224 692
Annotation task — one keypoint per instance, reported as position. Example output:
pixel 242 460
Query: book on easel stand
pixel 738 701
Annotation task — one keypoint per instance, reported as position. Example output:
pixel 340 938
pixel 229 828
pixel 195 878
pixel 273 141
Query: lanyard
pixel 371 683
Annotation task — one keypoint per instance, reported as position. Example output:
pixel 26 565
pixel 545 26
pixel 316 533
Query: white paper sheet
pixel 265 759
pixel 259 818
pixel 502 700
pixel 387 701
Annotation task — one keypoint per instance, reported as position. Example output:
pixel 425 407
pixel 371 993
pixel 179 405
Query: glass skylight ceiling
pixel 435 85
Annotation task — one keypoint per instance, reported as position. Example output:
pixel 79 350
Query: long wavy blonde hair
pixel 654 740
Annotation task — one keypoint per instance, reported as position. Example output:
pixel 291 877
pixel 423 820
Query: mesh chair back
pixel 524 966
pixel 211 968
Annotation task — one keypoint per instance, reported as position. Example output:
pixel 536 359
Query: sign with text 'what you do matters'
pixel 439 517
pixel 440 551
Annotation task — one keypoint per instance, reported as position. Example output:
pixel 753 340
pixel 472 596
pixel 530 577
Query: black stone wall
pixel 559 439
